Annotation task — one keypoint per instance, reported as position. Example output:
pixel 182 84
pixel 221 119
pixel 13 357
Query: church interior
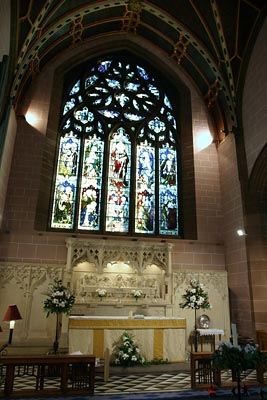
pixel 133 162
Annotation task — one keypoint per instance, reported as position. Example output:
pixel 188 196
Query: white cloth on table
pixel 207 332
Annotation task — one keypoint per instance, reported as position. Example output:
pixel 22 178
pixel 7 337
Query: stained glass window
pixel 117 163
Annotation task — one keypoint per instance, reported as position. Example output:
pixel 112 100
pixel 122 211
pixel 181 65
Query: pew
pixel 75 374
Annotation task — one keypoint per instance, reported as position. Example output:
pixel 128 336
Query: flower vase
pixel 55 344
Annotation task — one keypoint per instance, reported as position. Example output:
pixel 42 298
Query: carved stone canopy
pixel 100 252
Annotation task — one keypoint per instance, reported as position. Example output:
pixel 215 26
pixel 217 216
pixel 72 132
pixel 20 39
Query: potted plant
pixel 126 352
pixel 237 358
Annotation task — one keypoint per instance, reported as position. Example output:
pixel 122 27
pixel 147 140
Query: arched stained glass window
pixel 117 164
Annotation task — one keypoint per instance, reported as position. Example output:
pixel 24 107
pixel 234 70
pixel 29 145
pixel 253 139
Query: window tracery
pixel 117 168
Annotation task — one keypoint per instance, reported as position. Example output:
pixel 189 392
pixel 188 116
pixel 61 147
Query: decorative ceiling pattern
pixel 210 41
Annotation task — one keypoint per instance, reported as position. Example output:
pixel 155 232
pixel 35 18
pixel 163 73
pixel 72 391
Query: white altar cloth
pixel 207 332
pixel 157 337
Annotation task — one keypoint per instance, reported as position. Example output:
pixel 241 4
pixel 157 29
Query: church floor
pixel 156 386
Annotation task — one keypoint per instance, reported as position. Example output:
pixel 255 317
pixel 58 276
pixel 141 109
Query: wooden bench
pixel 76 374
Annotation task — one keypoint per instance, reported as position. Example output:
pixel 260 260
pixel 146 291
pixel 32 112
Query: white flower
pixel 101 292
pixel 137 293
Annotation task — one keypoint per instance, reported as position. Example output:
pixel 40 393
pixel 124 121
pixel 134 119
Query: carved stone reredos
pixel 101 252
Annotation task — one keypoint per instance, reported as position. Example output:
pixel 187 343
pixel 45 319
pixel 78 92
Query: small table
pixel 209 334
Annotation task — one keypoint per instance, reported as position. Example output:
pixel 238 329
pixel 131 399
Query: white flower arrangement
pixel 195 297
pixel 101 293
pixel 127 352
pixel 60 300
pixel 137 293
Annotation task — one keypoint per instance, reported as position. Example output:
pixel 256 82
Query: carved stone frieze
pixel 217 279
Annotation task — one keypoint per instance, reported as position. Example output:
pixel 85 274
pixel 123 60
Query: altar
pixel 157 337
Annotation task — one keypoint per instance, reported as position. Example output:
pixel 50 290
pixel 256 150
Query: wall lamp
pixel 12 314
pixel 241 232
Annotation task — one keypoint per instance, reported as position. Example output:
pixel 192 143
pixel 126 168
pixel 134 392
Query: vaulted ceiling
pixel 210 41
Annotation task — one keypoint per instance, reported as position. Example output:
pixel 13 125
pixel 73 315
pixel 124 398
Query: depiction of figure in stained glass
pixel 89 207
pixel 120 161
pixel 145 164
pixel 92 159
pixel 145 212
pixel 168 206
pixel 117 211
pixel 68 158
pixel 167 167
pixel 63 204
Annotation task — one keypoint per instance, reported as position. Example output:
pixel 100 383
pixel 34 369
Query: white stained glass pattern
pixel 118 196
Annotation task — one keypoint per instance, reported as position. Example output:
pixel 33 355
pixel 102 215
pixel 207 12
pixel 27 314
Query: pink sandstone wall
pixel 235 246
pixel 255 134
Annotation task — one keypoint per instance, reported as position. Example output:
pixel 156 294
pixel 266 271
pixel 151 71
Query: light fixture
pixel 241 232
pixel 12 314
pixel 203 139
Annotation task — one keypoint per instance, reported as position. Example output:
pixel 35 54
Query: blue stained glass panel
pixel 68 106
pixel 117 217
pixel 90 80
pixel 90 193
pixel 66 182
pixel 145 190
pixel 104 66
pixel 75 88
pixel 157 125
pixel 132 87
pixel 134 117
pixel 109 114
pixel 84 115
pixel 142 72
pixel 113 83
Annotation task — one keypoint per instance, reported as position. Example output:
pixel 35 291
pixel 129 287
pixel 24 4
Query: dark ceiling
pixel 209 40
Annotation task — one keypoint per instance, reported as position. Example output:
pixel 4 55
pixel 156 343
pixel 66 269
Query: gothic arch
pixel 135 48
